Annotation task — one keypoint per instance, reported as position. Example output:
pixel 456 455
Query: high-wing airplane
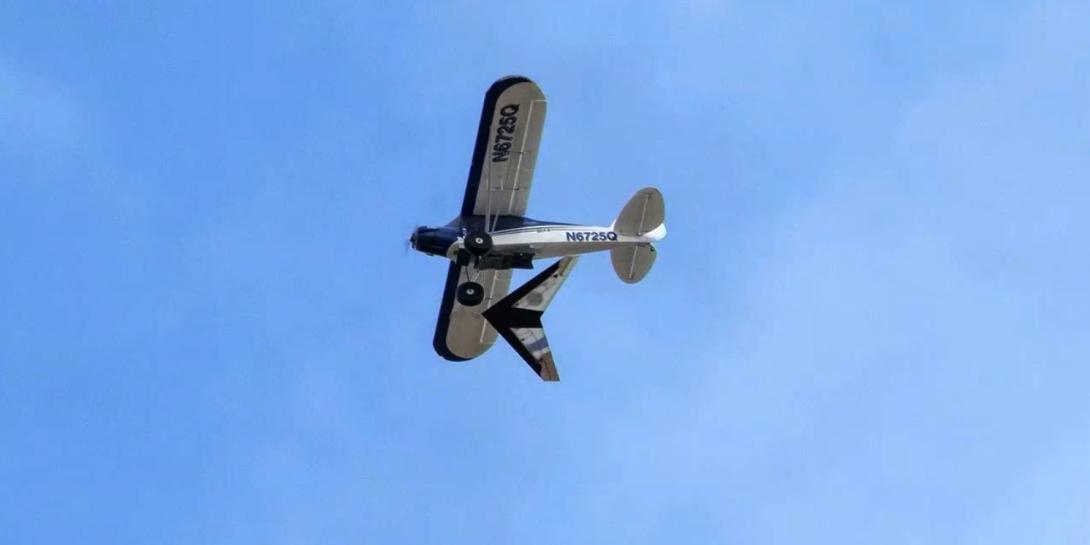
pixel 491 236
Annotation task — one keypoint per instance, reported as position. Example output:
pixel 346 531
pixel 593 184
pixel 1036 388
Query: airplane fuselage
pixel 516 241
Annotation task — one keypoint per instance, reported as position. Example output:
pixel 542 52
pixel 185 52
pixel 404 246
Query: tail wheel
pixel 478 243
pixel 470 294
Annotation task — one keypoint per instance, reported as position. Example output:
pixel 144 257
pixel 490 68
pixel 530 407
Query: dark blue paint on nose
pixel 433 240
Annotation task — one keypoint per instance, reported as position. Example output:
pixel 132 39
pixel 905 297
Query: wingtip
pixel 444 352
pixel 548 369
pixel 505 82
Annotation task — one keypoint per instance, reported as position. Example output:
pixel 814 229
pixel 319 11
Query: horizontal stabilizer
pixel 517 317
pixel 643 213
pixel 632 263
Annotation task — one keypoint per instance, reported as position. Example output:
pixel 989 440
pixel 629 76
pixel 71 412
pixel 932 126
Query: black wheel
pixel 470 294
pixel 478 243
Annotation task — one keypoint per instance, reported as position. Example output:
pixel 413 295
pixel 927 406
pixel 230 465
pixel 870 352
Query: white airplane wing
pixel 461 333
pixel 500 175
pixel 517 317
pixel 508 136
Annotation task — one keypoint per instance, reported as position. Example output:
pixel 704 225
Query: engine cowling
pixel 433 240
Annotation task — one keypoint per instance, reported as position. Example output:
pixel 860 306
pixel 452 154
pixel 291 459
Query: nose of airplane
pixel 432 240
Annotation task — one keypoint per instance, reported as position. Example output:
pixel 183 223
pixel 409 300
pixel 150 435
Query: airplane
pixel 492 235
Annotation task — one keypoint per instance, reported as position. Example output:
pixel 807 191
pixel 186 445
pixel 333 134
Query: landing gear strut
pixel 476 244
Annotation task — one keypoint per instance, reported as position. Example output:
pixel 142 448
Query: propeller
pixel 409 242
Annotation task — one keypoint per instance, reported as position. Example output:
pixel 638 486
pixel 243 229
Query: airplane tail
pixel 643 216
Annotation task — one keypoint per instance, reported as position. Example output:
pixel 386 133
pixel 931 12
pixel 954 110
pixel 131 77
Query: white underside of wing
pixel 469 334
pixel 511 153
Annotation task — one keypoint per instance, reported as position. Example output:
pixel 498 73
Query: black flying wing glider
pixel 517 317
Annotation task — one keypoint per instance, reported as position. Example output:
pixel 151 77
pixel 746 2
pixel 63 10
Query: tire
pixel 478 243
pixel 470 294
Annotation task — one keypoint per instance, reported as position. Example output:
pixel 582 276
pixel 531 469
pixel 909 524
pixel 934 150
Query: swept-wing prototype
pixel 492 235
pixel 517 317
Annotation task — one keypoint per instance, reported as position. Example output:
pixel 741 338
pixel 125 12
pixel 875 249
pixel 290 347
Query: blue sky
pixel 867 325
